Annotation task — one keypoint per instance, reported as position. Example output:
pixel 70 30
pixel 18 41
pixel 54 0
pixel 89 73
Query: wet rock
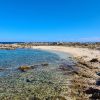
pixel 98 73
pixel 76 72
pixel 87 64
pixel 24 68
pixel 95 93
pixel 44 64
pixel 65 67
pixel 3 69
pixel 56 98
pixel 28 80
pixel 34 66
pixel 62 68
pixel 98 82
pixel 91 90
pixel 96 96
pixel 94 60
pixel 69 68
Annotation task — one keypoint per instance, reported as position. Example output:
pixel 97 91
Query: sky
pixel 49 20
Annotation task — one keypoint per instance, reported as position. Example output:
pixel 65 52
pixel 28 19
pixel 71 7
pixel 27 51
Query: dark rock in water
pixel 44 64
pixel 24 68
pixel 94 60
pixel 98 73
pixel 98 82
pixel 65 67
pixel 68 67
pixel 27 80
pixel 95 93
pixel 55 98
pixel 3 69
pixel 34 66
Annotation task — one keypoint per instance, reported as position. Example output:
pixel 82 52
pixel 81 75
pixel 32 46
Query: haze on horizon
pixel 49 20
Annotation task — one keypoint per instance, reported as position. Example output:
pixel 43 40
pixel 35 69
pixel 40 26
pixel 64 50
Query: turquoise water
pixel 19 57
pixel 42 82
pixel 10 60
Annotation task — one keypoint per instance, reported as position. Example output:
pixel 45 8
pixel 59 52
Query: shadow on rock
pixel 95 93
pixel 94 60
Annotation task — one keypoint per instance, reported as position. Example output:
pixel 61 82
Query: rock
pixel 95 93
pixel 65 67
pixel 98 73
pixel 44 64
pixel 76 72
pixel 2 69
pixel 27 80
pixel 98 82
pixel 91 90
pixel 96 96
pixel 94 60
pixel 87 64
pixel 24 68
pixel 34 66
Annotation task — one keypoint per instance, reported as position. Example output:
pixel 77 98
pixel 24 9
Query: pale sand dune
pixel 86 53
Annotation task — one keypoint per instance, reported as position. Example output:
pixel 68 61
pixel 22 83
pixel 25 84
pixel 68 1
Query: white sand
pixel 86 53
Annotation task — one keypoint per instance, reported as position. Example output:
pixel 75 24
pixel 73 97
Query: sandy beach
pixel 86 53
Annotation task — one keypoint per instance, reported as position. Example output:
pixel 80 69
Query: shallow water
pixel 19 57
pixel 42 82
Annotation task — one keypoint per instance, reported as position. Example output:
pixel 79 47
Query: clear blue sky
pixel 49 20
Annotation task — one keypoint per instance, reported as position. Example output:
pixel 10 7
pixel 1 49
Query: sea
pixel 40 83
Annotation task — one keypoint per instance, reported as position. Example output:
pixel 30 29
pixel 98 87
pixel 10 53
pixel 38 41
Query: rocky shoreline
pixel 85 79
pixel 86 82
pixel 15 45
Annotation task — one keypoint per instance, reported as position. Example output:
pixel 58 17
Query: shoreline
pixel 86 82
pixel 83 78
pixel 86 53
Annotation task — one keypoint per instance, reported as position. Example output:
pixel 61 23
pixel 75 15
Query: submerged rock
pixel 44 64
pixel 28 80
pixel 68 67
pixel 34 66
pixel 24 68
pixel 3 69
